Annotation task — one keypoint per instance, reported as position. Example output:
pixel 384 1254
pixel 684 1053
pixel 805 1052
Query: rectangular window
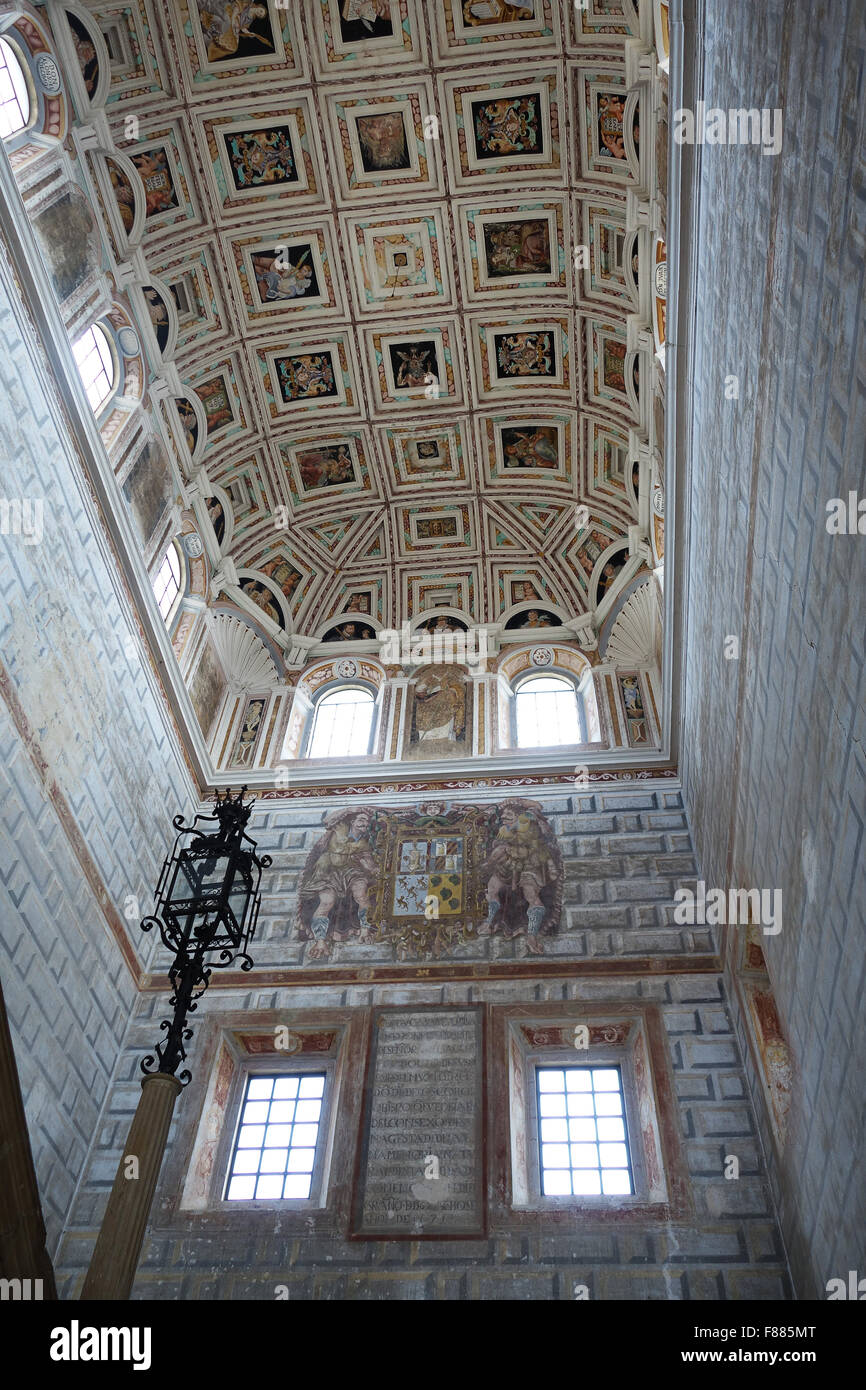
pixel 278 1137
pixel 582 1135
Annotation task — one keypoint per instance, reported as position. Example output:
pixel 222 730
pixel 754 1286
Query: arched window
pixel 166 583
pixel 342 724
pixel 14 96
pixel 95 364
pixel 548 712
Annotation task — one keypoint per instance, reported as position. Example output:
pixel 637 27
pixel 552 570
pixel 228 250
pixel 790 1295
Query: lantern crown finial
pixel 232 812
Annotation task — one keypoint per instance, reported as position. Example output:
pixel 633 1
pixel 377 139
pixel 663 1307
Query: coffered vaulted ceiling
pixel 406 390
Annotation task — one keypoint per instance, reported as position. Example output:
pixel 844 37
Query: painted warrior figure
pixel 334 895
pixel 524 884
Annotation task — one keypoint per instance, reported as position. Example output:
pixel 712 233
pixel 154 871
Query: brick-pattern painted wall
pixel 731 1249
pixel 774 762
pixel 68 992
pixel 106 764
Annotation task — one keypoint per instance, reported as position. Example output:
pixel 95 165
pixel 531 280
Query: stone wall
pixel 729 1247
pixel 773 761
pixel 624 855
pixel 87 772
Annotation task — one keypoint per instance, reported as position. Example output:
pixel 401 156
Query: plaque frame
pixel 357 1229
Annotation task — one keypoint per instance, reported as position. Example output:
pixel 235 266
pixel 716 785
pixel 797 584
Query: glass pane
pixel 554 1156
pixel 608 1104
pixel 556 1184
pixel 555 1130
pixel 256 1112
pixel 550 1080
pixel 584 1156
pixel 342 724
pixel 95 366
pixel 270 1186
pixel 606 1080
pixel 551 1105
pixel 274 1161
pixel 595 1161
pixel 242 1189
pixel 278 1136
pixel 284 1086
pixel 616 1182
pixel 166 584
pixel 547 713
pixel 266 1152
pixel 14 97
pixel 297 1185
pixel 311 1086
pixel 610 1129
pixel 301 1160
pixel 586 1182
pixel 246 1161
pixel 307 1110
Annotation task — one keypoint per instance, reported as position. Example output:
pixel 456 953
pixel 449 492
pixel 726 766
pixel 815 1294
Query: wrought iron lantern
pixel 207 906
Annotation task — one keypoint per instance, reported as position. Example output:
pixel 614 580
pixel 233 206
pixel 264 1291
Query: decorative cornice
pixel 423 785
pixel 432 973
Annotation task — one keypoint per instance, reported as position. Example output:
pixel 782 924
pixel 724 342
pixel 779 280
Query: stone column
pixel 22 1230
pixel 118 1246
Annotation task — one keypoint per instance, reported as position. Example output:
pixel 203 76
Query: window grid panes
pixel 582 1137
pixel 95 366
pixel 547 713
pixel 341 725
pixel 14 97
pixel 166 585
pixel 275 1149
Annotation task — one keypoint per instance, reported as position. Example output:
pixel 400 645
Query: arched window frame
pixel 9 49
pixel 321 695
pixel 33 48
pixel 183 571
pixel 550 673
pixel 101 411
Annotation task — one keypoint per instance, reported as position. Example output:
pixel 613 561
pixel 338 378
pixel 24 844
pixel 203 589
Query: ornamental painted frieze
pixel 429 880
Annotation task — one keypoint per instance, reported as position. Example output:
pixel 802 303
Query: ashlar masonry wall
pixel 619 956
pixel 87 770
pixel 773 761
pixel 727 1245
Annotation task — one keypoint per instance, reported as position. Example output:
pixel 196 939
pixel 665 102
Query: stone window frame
pixel 229 1048
pixel 661 1196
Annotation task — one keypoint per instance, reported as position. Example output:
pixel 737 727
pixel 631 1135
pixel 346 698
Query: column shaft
pixel 118 1246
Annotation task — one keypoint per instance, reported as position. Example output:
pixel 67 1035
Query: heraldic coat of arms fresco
pixel 428 880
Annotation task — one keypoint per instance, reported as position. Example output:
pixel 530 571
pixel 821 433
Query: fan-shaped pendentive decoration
pixel 636 636
pixel 245 658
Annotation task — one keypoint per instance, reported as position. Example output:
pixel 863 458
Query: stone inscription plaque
pixel 422 1156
